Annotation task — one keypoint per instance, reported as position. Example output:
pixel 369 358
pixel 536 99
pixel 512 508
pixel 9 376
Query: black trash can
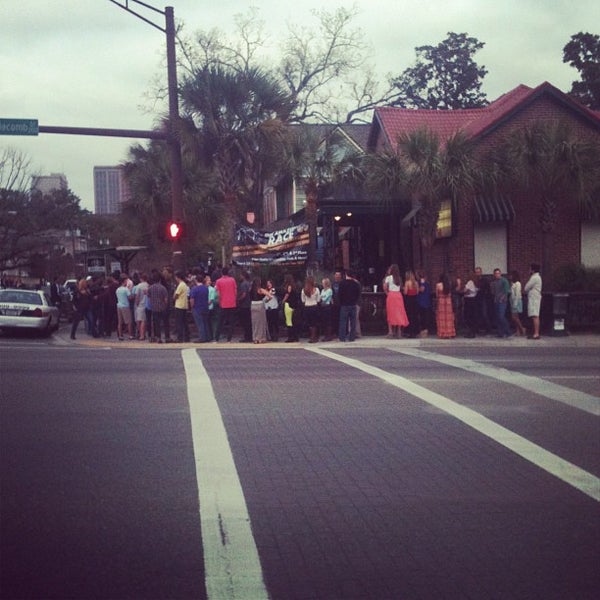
pixel 560 308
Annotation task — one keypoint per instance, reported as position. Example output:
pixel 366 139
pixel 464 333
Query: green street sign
pixel 19 127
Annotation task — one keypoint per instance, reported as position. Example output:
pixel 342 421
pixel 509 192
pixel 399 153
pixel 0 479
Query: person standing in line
pixel 335 305
pixel 349 295
pixel 81 303
pixel 55 293
pixel 311 296
pixel 500 289
pixel 471 306
pixel 158 300
pixel 444 315
pixel 533 289
pixel 424 303
pixel 123 308
pixel 410 290
pixel 291 303
pixel 457 294
pixel 181 305
pixel 485 300
pixel 394 302
pixel 244 303
pixel 327 310
pixel 95 289
pixel 258 312
pixel 272 307
pixel 141 291
pixel 226 287
pixel 213 309
pixel 109 305
pixel 199 302
pixel 167 279
pixel 516 302
pixel 354 277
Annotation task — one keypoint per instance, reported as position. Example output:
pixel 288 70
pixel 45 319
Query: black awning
pixel 490 209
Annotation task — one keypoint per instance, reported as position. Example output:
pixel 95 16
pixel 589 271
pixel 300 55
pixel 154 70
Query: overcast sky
pixel 88 63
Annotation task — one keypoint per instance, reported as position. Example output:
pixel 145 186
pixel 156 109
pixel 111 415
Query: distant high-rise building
pixel 48 183
pixel 110 190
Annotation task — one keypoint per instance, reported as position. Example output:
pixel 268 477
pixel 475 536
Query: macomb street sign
pixel 19 127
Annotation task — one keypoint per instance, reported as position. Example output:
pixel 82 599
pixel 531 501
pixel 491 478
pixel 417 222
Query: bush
pixel 576 278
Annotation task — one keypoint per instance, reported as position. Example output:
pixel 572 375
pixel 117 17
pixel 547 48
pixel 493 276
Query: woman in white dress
pixel 533 289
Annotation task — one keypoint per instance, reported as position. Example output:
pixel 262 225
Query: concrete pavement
pixel 576 340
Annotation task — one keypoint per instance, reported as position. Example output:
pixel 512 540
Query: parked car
pixel 29 309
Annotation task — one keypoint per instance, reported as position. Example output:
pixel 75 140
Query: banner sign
pixel 286 247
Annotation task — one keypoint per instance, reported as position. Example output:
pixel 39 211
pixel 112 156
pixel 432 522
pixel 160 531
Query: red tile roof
pixel 393 122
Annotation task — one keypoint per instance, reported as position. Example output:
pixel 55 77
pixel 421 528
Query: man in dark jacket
pixel 349 295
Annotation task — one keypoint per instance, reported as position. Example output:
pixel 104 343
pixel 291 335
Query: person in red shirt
pixel 226 287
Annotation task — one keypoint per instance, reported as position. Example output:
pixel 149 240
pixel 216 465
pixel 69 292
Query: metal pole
pixel 173 141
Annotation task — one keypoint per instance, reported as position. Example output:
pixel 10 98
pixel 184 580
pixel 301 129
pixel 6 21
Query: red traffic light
pixel 174 230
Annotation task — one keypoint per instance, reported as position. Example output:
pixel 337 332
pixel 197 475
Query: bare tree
pixel 15 170
pixel 324 67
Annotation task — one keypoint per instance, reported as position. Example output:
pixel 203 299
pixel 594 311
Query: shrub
pixel 573 277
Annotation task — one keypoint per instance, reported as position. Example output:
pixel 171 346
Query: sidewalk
pixel 577 340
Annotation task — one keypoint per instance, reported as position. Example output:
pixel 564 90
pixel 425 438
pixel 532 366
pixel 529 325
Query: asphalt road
pixel 379 469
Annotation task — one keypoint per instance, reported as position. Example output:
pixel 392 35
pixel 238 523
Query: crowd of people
pixel 479 306
pixel 157 306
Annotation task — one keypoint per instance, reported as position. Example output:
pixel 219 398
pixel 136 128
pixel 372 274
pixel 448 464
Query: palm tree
pixel 386 181
pixel 435 172
pixel 236 123
pixel 317 157
pixel 147 172
pixel 553 165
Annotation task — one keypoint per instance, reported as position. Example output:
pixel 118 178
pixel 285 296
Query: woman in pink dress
pixel 444 315
pixel 394 303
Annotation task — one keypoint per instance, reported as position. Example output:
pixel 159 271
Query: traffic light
pixel 175 230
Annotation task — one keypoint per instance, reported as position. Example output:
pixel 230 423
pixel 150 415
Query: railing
pixel 582 314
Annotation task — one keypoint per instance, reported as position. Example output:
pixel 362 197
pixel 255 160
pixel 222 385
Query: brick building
pixel 503 231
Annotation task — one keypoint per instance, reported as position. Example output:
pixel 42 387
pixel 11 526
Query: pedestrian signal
pixel 174 230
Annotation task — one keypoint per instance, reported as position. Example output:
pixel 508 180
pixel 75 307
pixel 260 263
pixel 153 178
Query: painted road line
pixel 232 565
pixel 542 387
pixel 569 473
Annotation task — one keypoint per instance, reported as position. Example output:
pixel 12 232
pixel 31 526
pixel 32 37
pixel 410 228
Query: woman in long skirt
pixel 258 312
pixel 444 316
pixel 394 303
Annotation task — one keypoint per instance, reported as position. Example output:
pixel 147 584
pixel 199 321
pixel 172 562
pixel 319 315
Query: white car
pixel 30 309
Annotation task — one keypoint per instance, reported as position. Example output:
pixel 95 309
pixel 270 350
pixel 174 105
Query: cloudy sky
pixel 88 63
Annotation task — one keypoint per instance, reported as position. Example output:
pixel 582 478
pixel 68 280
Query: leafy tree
pixel 444 76
pixel 553 164
pixel 31 225
pixel 583 53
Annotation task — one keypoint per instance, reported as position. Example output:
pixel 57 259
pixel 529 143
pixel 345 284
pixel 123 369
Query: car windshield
pixel 20 297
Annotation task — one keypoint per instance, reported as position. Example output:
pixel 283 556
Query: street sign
pixel 19 127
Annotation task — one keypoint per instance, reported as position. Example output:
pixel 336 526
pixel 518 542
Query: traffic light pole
pixel 172 137
pixel 173 141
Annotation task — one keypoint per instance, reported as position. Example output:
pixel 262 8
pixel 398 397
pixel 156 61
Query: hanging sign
pixel 286 247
